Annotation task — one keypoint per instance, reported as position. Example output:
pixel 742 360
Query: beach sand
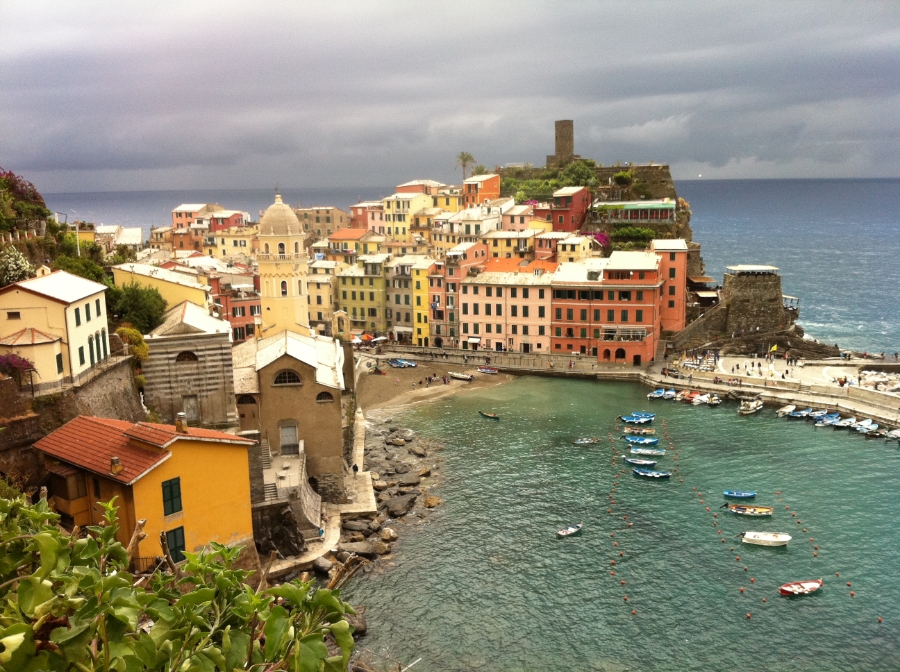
pixel 396 388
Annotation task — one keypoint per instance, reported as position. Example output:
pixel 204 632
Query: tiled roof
pixel 28 336
pixel 347 234
pixel 90 443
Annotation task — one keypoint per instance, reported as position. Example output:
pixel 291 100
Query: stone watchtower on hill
pixel 565 144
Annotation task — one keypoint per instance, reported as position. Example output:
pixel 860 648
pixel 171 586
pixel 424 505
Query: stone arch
pixel 246 400
pixel 284 288
pixel 266 248
pixel 91 347
pixel 606 355
pixel 296 248
pixel 324 397
pixel 287 377
pixel 281 248
pixel 620 354
pixel 186 356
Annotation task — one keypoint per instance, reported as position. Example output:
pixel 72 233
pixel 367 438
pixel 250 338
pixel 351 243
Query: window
pixel 641 276
pixel 514 311
pixel 596 314
pixel 186 356
pixel 640 295
pixel 559 313
pixel 324 398
pixel 175 541
pixel 500 292
pixel 541 311
pixel 610 316
pixel 584 314
pixel 558 331
pixel 672 258
pixel 570 314
pixel 515 329
pixel 624 316
pixel 513 292
pixel 78 319
pixel 525 293
pixel 488 291
pixel 671 304
pixel 639 316
pixel 583 333
pixel 671 272
pixel 287 377
pixel 87 312
pixel 80 353
pixel 13 315
pixel 171 492
pixel 284 287
pixel 239 334
pixel 541 331
pixel 97 305
pixel 671 290
pixel 624 296
pixel 59 363
pixel 475 309
pixel 540 293
pixel 238 311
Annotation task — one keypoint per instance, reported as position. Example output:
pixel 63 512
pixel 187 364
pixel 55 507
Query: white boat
pixel 785 410
pixel 765 538
pixel 893 434
pixel 460 376
pixel 657 394
pixel 714 400
pixel 846 422
pixel 681 395
pixel 750 407
pixel 865 429
pixel 700 400
pixel 670 394
pixel 862 425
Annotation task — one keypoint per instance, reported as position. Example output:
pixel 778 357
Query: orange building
pixel 673 255
pixel 480 189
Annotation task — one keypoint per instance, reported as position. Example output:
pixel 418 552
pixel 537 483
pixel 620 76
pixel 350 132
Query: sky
pixel 106 96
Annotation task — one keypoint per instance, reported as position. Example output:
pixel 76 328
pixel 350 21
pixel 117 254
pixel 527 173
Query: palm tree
pixel 464 160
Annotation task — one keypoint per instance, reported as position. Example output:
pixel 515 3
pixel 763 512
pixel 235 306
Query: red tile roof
pixel 29 336
pixel 347 234
pixel 90 443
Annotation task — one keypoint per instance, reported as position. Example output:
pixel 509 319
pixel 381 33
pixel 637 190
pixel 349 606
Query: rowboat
pixel 635 420
pixel 650 473
pixel 670 394
pixel 658 394
pixel 828 420
pixel 641 440
pixel 740 494
pixel 765 538
pixel 875 434
pixel 460 376
pixel 690 396
pixel 643 414
pixel 701 399
pixel 648 451
pixel 865 426
pixel 785 410
pixel 893 434
pixel 570 531
pixel 642 431
pixel 487 369
pixel 800 414
pixel 681 395
pixel 750 407
pixel 744 510
pixel 407 363
pixel 490 416
pixel 817 415
pixel 586 441
pixel 800 587
pixel 634 462
pixel 845 423
pixel 714 400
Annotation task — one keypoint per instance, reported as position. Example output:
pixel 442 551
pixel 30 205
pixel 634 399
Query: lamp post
pixel 77 244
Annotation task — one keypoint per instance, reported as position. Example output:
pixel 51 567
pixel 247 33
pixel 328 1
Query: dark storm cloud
pixel 359 93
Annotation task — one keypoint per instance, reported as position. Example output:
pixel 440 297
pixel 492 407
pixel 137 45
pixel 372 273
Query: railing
pixel 280 257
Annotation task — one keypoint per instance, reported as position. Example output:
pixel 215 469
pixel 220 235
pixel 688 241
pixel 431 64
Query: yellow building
pixel 449 199
pixel 58 323
pixel 173 286
pixel 234 240
pixel 398 213
pixel 362 293
pixel 283 270
pixel 421 269
pixel 191 484
pixel 322 283
pixel 323 220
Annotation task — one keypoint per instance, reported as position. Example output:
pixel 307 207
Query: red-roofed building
pixel 191 484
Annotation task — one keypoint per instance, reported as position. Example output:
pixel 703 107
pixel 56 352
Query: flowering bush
pixel 602 238
pixel 14 366
pixel 13 266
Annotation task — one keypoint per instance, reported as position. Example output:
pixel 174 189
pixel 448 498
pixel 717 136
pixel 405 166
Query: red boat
pixel 689 397
pixel 800 587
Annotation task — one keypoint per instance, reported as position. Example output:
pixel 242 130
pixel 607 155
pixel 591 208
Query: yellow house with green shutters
pixel 420 271
pixel 235 240
pixel 362 293
pixel 173 286
pixel 399 210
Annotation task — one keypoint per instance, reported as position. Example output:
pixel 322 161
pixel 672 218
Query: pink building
pixel 444 287
pixel 568 209
pixel 673 255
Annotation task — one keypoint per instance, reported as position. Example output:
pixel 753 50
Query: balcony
pixel 280 257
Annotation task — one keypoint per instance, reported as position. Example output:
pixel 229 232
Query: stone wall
pixel 755 303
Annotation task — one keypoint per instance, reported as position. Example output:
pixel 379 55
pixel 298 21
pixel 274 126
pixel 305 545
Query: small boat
pixel 800 414
pixel 658 394
pixel 893 434
pixel 700 400
pixel 714 400
pixel 670 394
pixel 635 420
pixel 817 415
pixel 490 416
pixel 586 441
pixel 745 510
pixel 460 376
pixel 641 440
pixel 642 431
pixel 570 531
pixel 740 494
pixel 644 414
pixel 487 369
pixel 395 363
pixel 800 587
pixel 875 434
pixel 785 410
pixel 407 363
pixel 650 473
pixel 648 451
pixel 750 407
pixel 635 462
pixel 681 395
pixel 690 396
pixel 765 538
pixel 828 420
pixel 865 429
pixel 845 423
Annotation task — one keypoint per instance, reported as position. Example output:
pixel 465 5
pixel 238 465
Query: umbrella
pixel 367 337
pixel 380 338
pixel 356 340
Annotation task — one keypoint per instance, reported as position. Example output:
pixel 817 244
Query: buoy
pixel 852 594
pixel 749 616
pixel 732 548
pixel 786 506
pixel 723 540
pixel 626 598
pixel 752 580
pixel 612 534
pixel 615 543
pixel 742 589
pixel 764 599
pixel 793 515
pixel 700 494
pixel 816 547
pixel 701 501
pixel 621 553
pixel 848 583
pixel 608 511
pixel 738 558
pixel 715 515
pixel 681 480
pixel 612 562
pixel 629 524
pixel 707 508
pixel 799 521
pixel 804 529
pixel 695 488
pixel 745 568
pixel 815 555
pixel 624 517
pixel 612 573
pixel 623 582
pixel 634 613
pixel 812 538
pixel 879 618
pixel 720 532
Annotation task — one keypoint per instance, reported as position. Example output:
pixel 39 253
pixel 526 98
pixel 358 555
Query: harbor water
pixel 484 584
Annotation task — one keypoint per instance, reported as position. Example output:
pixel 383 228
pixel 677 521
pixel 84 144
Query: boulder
pixel 381 485
pixel 396 442
pixel 381 548
pixel 406 434
pixel 363 548
pixel 418 451
pixel 356 526
pixel 388 534
pixel 375 525
pixel 409 480
pixel 357 621
pixel 424 473
pixel 431 501
pixel 354 537
pixel 410 490
pixel 342 556
pixel 400 506
pixel 322 565
pixel 401 468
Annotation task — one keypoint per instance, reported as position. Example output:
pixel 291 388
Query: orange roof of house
pixel 29 336
pixel 348 234
pixel 90 443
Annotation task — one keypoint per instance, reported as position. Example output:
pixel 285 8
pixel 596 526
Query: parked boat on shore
pixel 714 400
pixel 747 510
pixel 801 414
pixel 765 538
pixel 740 494
pixel 785 410
pixel 750 407
pixel 650 473
pixel 636 462
pixel 846 423
pixel 487 369
pixel 460 376
pixel 670 394
pixel 657 394
pixel 570 531
pixel 800 587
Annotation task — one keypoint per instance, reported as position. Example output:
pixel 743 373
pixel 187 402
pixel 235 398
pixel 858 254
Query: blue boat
pixel 800 414
pixel 658 394
pixel 817 415
pixel 642 414
pixel 635 420
pixel 670 394
pixel 740 494
pixel 641 440
pixel 635 462
pixel 648 451
pixel 828 420
pixel 650 473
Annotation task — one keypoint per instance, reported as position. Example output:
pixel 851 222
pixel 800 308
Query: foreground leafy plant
pixel 69 603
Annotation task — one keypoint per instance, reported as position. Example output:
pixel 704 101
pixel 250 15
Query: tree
pixel 122 255
pixel 14 267
pixel 142 307
pixel 464 160
pixel 480 169
pixel 19 199
pixel 82 267
pixel 578 174
pixel 70 603
pixel 139 349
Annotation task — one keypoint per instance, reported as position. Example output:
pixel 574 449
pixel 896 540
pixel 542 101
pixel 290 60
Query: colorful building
pixel 173 286
pixel 231 241
pixel 480 189
pixel 673 265
pixel 187 213
pixel 421 270
pixel 363 293
pixel 398 212
pixel 568 210
pixel 322 220
pixel 322 283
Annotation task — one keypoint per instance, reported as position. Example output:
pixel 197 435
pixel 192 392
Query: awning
pixel 402 330
pixel 701 279
pixel 707 295
pixel 474 339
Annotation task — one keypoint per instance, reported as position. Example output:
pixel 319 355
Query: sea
pixel 836 242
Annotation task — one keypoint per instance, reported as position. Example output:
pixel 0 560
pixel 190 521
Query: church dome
pixel 279 220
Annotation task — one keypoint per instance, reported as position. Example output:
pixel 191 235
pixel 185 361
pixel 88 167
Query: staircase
pixel 803 389
pixel 270 491
pixel 264 455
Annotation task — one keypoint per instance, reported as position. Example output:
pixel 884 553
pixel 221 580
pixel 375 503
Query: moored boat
pixel 490 416
pixel 487 369
pixel 750 407
pixel 635 420
pixel 800 587
pixel 641 440
pixel 785 410
pixel 640 431
pixel 828 420
pixel 865 426
pixel 643 414
pixel 765 538
pixel 681 395
pixel 714 400
pixel 740 494
pixel 846 423
pixel 893 434
pixel 701 399
pixel 690 396
pixel 747 510
pixel 800 413
pixel 648 451
pixel 636 462
pixel 875 434
pixel 569 531
pixel 586 441
pixel 650 473
pixel 657 394
pixel 460 376
pixel 670 394
pixel 817 415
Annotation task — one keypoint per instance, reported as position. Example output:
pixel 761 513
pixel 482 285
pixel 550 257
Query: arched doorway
pixel 620 354
pixel 606 355
pixel 438 342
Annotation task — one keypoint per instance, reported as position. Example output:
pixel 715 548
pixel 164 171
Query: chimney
pixel 115 466
pixel 181 425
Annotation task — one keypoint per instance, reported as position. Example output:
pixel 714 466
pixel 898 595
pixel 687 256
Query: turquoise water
pixel 485 584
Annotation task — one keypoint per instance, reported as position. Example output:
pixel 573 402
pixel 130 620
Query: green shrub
pixel 623 177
